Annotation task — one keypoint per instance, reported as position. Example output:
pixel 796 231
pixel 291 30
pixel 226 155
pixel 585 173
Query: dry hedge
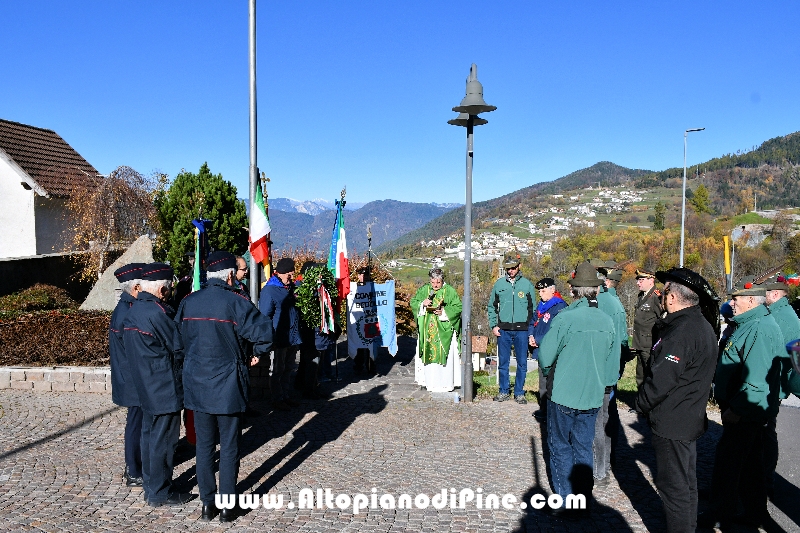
pixel 55 338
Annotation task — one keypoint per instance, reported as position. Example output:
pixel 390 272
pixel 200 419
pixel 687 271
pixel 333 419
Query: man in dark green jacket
pixel 778 303
pixel 510 310
pixel 574 355
pixel 742 387
pixel 608 302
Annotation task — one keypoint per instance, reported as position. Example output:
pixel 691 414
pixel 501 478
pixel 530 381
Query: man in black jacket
pixel 155 358
pixel 123 391
pixel 675 392
pixel 222 334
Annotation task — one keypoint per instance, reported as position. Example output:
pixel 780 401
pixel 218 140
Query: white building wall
pixel 17 222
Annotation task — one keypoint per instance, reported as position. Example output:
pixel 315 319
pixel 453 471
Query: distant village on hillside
pixel 542 226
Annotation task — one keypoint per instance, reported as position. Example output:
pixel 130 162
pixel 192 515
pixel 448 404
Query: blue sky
pixel 358 93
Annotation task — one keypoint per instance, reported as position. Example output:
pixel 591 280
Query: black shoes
pixel 520 399
pixel 174 498
pixel 502 397
pixel 131 481
pixel 227 515
pixel 540 415
pixel 209 512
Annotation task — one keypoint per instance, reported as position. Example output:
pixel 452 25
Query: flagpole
pixel 255 284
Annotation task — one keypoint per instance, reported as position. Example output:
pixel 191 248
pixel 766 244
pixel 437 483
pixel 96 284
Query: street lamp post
pixel 683 198
pixel 470 107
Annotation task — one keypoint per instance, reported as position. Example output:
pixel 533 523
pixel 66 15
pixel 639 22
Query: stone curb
pixel 90 379
pixel 56 378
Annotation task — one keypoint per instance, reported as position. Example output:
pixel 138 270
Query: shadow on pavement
pixel 327 425
pixel 601 517
pixel 68 429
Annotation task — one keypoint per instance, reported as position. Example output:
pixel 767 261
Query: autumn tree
pixel 108 213
pixel 191 196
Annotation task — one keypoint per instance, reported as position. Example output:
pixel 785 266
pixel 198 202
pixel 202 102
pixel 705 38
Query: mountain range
pixel 310 223
pixel 771 171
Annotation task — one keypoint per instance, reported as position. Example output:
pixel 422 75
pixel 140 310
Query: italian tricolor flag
pixel 337 259
pixel 259 231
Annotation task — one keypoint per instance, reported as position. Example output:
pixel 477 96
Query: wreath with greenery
pixel 308 297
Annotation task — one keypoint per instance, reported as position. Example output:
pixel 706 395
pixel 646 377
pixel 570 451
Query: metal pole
pixel 466 341
pixel 683 197
pixel 255 282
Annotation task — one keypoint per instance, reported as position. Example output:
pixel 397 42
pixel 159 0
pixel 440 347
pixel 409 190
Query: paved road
pixel 61 464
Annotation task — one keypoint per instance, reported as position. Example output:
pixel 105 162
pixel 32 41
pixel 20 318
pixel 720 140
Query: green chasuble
pixel 435 335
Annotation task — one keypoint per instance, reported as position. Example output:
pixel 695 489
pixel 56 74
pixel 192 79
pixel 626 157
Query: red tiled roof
pixel 45 156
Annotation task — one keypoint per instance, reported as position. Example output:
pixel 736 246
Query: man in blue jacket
pixel 217 327
pixel 153 349
pixel 277 302
pixel 123 391
pixel 550 303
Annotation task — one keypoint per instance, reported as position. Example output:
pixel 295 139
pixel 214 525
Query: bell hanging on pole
pixel 461 120
pixel 473 103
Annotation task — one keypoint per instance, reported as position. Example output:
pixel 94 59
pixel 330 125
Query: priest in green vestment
pixel 438 310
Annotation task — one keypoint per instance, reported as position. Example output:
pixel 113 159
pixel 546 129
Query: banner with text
pixel 370 317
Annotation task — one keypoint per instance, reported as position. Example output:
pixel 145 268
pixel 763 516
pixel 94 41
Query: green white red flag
pixel 337 258
pixel 259 229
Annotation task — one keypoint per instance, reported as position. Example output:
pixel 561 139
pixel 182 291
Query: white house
pixel 37 167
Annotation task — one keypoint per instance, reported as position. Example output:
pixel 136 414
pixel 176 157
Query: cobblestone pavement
pixel 61 463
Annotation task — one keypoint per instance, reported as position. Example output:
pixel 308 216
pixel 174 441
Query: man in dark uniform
pixel 123 391
pixel 675 393
pixel 217 327
pixel 152 348
pixel 277 302
pixel 645 313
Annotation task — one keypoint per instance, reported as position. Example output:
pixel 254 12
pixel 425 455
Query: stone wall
pixel 56 378
pixel 93 379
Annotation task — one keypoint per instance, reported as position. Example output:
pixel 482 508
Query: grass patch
pixel 751 218
pixel 486 389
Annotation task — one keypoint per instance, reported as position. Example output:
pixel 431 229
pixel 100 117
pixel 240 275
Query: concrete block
pixel 94 377
pixel 81 387
pixel 76 377
pixel 17 375
pixel 22 385
pixel 59 386
pixel 5 377
pixel 34 375
pixel 97 386
pixel 42 386
pixel 56 376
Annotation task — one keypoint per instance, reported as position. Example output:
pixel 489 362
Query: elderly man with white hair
pixel 152 346
pixel 123 391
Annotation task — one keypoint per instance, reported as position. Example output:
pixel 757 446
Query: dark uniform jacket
pixel 277 302
pixel 123 391
pixel 219 329
pixel 646 311
pixel 542 318
pixel 678 383
pixel 153 349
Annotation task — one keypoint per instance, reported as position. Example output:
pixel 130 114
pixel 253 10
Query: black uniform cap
pixel 220 260
pixel 129 272
pixel 157 272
